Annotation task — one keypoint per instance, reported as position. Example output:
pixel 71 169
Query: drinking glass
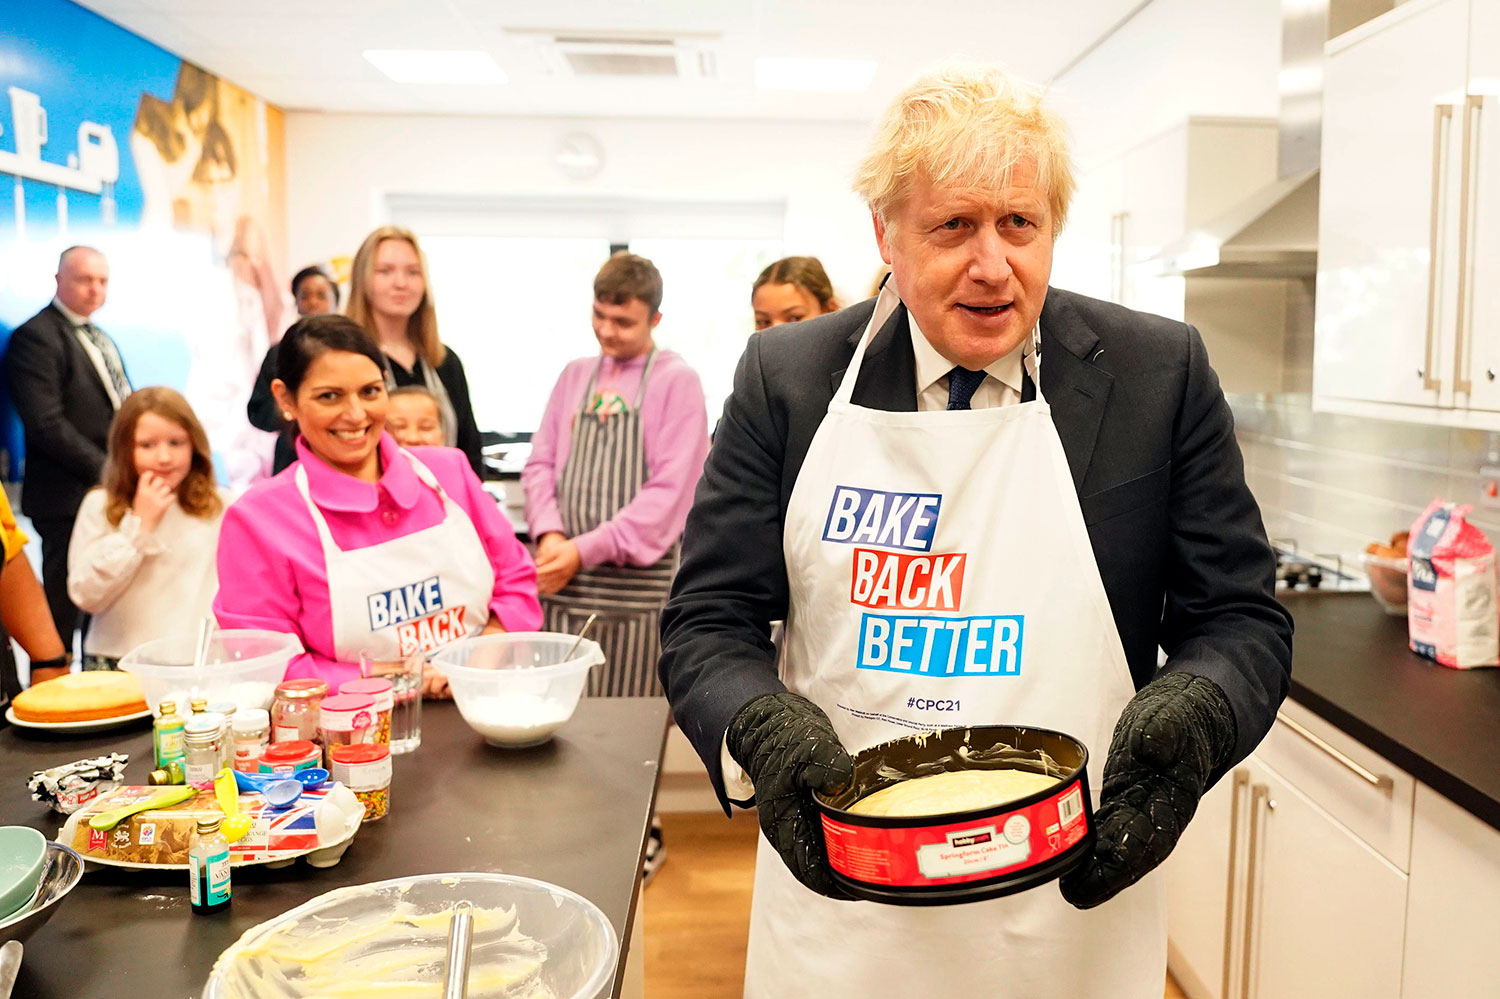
pixel 406 688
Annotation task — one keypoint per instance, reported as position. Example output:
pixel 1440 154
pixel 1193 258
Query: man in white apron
pixel 973 446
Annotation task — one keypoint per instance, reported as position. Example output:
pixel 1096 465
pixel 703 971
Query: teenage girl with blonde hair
pixel 390 297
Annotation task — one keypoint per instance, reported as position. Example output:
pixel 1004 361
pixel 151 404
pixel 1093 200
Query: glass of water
pixel 406 688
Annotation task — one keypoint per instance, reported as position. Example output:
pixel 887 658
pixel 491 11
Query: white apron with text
pixel 941 575
pixel 411 594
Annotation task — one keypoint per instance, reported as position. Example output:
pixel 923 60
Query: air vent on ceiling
pixel 626 54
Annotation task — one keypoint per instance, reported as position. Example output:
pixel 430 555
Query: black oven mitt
pixel 789 748
pixel 1173 735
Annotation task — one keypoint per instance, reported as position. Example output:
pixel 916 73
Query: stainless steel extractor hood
pixel 1273 233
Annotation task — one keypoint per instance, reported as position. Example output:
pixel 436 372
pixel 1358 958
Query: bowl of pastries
pixel 1387 567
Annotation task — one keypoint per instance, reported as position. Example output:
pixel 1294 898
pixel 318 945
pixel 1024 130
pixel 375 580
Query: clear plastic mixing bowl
pixel 243 667
pixel 517 688
pixel 532 940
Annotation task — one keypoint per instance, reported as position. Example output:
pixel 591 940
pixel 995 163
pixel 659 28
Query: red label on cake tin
pixel 954 853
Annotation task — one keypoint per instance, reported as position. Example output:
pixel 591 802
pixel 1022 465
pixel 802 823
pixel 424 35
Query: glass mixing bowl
pixel 532 940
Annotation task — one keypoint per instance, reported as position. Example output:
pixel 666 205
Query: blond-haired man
pixel 976 500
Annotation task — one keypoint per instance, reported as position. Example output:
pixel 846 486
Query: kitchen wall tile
pixel 1334 482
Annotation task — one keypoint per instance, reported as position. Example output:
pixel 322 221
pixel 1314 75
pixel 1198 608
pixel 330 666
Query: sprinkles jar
pixel 366 770
pixel 385 699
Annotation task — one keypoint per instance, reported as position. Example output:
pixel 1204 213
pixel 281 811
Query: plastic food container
pixel 517 688
pixel 384 695
pixel 346 720
pixel 365 770
pixel 289 757
pixel 962 856
pixel 243 666
pixel 1388 578
pixel 562 945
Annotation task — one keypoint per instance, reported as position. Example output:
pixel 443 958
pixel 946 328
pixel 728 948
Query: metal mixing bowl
pixel 64 869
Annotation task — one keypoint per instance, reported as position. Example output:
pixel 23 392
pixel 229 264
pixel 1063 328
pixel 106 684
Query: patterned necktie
pixel 112 363
pixel 962 384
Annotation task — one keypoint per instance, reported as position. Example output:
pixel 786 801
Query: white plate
pixel 351 826
pixel 77 727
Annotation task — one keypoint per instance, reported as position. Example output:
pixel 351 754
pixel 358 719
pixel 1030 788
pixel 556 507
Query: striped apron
pixel 605 469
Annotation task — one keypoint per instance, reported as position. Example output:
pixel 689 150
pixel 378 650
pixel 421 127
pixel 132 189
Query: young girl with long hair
pixel 142 556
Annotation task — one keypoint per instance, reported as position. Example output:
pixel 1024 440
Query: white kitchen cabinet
pixel 1408 313
pixel 1131 206
pixel 1089 256
pixel 1453 907
pixel 1480 222
pixel 1271 895
pixel 1197 881
pixel 1325 913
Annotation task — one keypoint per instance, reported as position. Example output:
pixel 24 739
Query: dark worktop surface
pixel 1351 666
pixel 573 811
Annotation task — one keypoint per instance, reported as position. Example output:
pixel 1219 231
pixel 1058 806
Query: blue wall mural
pixel 177 177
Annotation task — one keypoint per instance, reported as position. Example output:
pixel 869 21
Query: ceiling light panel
pixel 444 66
pixel 815 75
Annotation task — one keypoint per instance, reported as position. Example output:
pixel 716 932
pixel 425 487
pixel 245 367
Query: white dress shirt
pixel 88 348
pixel 1002 387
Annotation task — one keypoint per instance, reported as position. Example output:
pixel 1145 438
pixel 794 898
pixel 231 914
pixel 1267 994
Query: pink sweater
pixel 271 569
pixel 674 429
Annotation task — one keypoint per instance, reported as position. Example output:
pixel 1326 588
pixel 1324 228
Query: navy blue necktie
pixel 962 384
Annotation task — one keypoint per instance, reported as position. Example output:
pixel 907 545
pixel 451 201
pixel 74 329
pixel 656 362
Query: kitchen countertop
pixel 1352 667
pixel 573 811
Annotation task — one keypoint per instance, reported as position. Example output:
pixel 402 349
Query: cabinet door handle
pixel 1382 782
pixel 1441 117
pixel 1259 794
pixel 1473 106
pixel 1117 239
pixel 1241 780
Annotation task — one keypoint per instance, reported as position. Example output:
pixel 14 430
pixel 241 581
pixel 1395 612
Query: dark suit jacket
pixel 65 410
pixel 1149 439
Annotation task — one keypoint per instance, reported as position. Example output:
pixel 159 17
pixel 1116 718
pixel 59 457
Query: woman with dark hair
pixel 142 556
pixel 790 290
pixel 332 551
pixel 316 293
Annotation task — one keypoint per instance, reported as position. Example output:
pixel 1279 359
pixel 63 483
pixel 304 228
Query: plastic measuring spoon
pixel 161 799
pixel 258 783
pixel 235 825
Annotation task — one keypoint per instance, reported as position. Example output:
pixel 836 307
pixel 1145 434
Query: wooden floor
pixel 698 908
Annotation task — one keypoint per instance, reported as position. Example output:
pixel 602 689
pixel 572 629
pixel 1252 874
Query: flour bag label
pixel 1453 614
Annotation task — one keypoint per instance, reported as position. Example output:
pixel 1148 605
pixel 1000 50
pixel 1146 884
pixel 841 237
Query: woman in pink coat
pixel 362 548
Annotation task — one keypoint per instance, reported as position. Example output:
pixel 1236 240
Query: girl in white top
pixel 142 559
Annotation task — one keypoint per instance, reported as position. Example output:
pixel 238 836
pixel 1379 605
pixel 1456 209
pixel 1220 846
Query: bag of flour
pixel 1452 602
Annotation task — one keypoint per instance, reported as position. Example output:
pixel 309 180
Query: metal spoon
pixel 581 632
pixel 460 944
pixel 10 966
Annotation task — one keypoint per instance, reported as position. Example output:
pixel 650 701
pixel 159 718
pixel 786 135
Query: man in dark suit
pixel 968 184
pixel 67 379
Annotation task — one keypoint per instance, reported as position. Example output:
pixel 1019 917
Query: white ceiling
pixel 305 54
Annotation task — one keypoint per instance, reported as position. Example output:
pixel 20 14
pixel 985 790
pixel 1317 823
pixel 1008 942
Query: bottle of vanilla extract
pixel 208 868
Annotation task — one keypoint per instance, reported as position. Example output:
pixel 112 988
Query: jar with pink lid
pixel 346 720
pixel 385 699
